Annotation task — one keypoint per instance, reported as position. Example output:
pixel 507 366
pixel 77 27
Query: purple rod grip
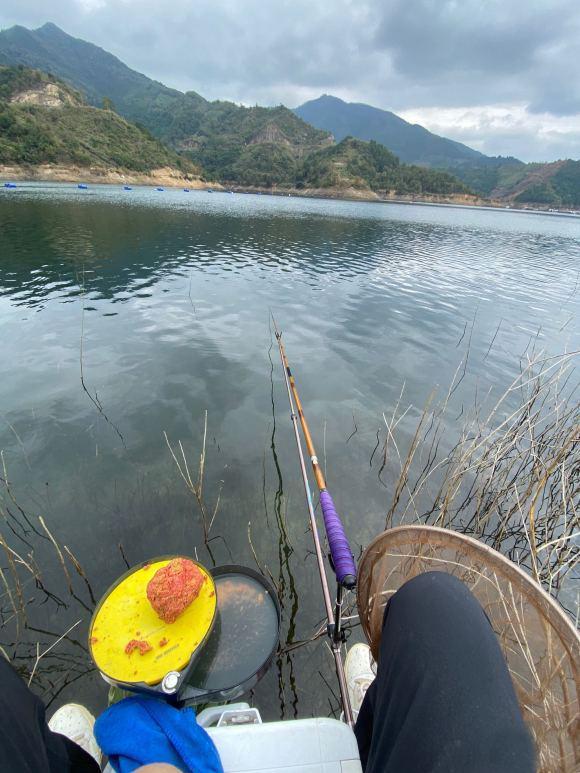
pixel 340 551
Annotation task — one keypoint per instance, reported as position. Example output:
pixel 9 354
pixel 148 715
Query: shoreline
pixel 355 194
pixel 429 199
pixel 166 176
pixel 170 177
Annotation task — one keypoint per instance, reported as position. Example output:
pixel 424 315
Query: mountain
pixel 502 178
pixel 221 136
pixel 249 146
pixel 175 117
pixel 357 164
pixel 554 185
pixel 98 75
pixel 410 142
pixel 45 121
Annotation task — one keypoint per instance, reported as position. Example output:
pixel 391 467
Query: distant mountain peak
pixel 329 98
pixel 411 142
pixel 50 26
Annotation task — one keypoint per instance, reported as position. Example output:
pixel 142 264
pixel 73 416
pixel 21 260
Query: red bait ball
pixel 138 644
pixel 174 587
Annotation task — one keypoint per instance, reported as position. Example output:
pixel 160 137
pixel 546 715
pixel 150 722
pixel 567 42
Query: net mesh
pixel 540 644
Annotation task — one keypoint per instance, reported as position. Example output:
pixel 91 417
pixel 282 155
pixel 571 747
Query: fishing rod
pixel 341 556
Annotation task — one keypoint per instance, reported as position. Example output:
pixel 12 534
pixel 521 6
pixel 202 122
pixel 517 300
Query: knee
pixel 433 585
pixel 431 594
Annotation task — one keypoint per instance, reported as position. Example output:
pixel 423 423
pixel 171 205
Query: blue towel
pixel 140 730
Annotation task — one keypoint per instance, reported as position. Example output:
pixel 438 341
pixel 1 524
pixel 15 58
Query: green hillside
pixel 492 176
pixel 171 115
pixel 98 75
pixel 354 163
pixel 554 185
pixel 44 121
pixel 252 146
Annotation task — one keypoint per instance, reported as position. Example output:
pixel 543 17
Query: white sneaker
pixel 361 670
pixel 77 723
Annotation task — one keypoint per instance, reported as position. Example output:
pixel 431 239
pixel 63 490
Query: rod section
pixel 334 627
pixel 341 554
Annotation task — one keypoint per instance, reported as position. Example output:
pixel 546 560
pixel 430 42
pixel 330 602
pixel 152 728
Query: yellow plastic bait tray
pixel 124 614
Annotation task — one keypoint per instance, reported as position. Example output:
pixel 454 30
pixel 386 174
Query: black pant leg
pixel 443 700
pixel 27 745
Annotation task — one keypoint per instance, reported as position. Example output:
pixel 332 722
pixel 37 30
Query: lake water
pixel 170 293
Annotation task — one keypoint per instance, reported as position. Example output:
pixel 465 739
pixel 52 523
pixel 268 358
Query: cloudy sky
pixel 500 75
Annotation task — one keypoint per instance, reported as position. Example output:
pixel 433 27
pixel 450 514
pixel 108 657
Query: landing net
pixel 540 644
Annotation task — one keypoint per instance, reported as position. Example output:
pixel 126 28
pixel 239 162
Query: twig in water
pixel 355 430
pixel 467 353
pixel 493 339
pixel 196 489
pixel 462 336
pixel 19 440
pixel 13 498
pixel 63 564
pixel 512 478
pixel 40 655
pixel 374 449
pixel 58 552
pixel 81 572
pixel 95 400
pixel 124 557
pixel 189 293
pixel 252 548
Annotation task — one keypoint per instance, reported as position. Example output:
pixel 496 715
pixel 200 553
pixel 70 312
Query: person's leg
pixel 26 743
pixel 443 699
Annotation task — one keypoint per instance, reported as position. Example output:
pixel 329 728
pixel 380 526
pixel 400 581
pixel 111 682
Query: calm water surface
pixel 170 293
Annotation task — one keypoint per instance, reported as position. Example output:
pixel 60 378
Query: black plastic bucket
pixel 243 641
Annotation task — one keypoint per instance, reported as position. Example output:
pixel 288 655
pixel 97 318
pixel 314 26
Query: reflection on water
pixel 171 294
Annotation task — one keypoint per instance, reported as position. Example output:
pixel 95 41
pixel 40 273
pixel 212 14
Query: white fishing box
pixel 248 745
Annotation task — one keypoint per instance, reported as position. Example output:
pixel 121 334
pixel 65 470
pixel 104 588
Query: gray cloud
pixel 396 54
pixel 520 140
pixel 485 53
pixel 498 39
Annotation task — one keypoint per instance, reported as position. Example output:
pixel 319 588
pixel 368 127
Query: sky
pixel 500 75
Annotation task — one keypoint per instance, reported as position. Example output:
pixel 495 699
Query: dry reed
pixel 512 479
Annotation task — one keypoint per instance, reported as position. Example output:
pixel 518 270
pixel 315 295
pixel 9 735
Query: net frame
pixel 538 639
